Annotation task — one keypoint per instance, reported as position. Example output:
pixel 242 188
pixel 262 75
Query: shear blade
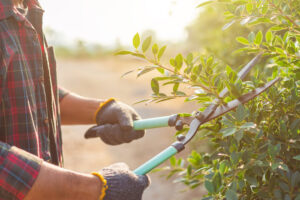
pixel 221 110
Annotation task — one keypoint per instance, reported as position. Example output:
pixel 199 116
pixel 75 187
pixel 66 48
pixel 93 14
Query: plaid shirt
pixel 29 99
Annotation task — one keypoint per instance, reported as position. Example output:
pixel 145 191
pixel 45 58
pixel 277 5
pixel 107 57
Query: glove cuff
pixel 104 186
pixel 101 106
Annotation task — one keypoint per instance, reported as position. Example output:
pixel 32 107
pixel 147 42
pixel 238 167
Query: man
pixel 32 108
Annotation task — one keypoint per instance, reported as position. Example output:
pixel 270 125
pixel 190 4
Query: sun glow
pixel 107 21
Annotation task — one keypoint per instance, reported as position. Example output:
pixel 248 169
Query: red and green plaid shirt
pixel 29 99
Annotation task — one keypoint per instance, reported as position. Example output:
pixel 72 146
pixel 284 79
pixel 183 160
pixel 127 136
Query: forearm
pixel 78 110
pixel 61 184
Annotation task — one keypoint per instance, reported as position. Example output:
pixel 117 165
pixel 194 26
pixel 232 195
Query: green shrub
pixel 254 151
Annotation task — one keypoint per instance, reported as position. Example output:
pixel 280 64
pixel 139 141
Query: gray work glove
pixel 115 124
pixel 123 184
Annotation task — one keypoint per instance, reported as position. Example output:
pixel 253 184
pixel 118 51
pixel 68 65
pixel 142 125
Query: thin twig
pixel 282 13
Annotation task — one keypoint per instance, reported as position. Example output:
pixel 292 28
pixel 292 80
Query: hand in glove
pixel 115 123
pixel 123 184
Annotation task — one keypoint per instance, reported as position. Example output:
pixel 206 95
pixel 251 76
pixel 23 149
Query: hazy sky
pixel 105 21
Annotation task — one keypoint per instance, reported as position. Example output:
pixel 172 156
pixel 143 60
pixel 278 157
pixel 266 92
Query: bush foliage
pixel 254 151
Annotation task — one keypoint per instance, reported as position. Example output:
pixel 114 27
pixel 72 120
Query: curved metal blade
pixel 243 73
pixel 221 110
pixel 232 104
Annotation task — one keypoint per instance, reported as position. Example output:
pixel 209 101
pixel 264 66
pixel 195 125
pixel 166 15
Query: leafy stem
pixel 282 13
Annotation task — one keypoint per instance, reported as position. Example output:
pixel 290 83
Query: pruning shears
pixel 216 109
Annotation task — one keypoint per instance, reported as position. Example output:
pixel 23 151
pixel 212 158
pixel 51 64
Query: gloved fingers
pixel 105 137
pixel 112 134
pixel 125 119
pixel 103 131
pixel 144 180
pixel 91 132
pixel 139 134
pixel 115 134
pixel 136 116
pixel 128 136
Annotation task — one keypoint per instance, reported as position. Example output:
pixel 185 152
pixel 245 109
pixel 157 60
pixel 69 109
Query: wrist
pixel 101 106
pixel 103 184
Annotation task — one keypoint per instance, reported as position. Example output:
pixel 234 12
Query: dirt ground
pixel 102 79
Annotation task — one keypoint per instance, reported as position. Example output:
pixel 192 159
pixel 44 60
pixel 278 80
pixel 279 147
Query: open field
pixel 102 79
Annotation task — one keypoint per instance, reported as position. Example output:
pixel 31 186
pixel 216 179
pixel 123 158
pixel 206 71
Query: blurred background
pixel 86 33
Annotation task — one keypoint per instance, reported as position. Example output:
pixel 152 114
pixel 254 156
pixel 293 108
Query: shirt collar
pixel 7 9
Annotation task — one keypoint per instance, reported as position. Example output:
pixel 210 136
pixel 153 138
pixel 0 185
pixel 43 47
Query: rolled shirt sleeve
pixel 18 172
pixel 62 93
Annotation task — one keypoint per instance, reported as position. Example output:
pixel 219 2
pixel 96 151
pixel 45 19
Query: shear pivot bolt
pixel 179 125
pixel 180 137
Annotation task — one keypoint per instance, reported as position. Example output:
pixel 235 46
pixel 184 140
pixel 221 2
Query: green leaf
pixel 233 89
pixel 269 36
pixel 145 70
pixel 228 131
pixel 248 125
pixel 146 44
pixel 124 53
pixel 239 135
pixel 209 186
pixel 179 93
pixel 251 37
pixel 241 113
pixel 226 26
pixel 258 38
pixel 249 7
pixel 189 58
pixel 126 73
pixel 160 70
pixel 204 3
pixel 161 52
pixel 210 61
pixel 189 170
pixel 179 61
pixel 155 86
pixel 234 157
pixel 175 87
pixel 296 157
pixel 264 9
pixel 173 62
pixel 231 195
pixel 223 167
pixel 138 55
pixel 155 49
pixel 279 50
pixel 260 21
pixel 277 28
pixel 217 181
pixel 242 40
pixel 136 40
pixel 173 161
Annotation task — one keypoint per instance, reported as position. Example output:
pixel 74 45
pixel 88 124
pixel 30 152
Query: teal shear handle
pixel 157 122
pixel 159 158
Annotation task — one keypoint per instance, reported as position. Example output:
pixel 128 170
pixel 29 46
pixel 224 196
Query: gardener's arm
pixel 114 119
pixel 75 109
pixel 25 175
pixel 58 183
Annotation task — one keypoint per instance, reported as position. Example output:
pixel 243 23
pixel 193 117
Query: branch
pixel 282 13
